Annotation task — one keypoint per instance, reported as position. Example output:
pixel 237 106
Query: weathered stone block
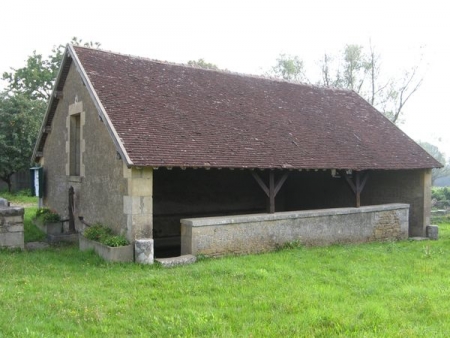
pixel 175 261
pixel 137 205
pixel 142 173
pixel 12 240
pixel 144 252
pixel 432 232
pixel 140 187
pixel 11 227
pixel 10 220
pixel 15 228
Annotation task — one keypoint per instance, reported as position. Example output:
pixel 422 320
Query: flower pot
pixel 49 228
pixel 112 254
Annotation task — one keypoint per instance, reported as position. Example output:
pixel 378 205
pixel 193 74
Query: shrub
pixel 42 211
pixel 47 215
pixel 99 233
pixel 440 194
pixel 96 232
pixel 115 241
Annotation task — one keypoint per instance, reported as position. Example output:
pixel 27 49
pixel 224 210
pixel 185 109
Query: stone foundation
pixel 244 234
pixel 11 227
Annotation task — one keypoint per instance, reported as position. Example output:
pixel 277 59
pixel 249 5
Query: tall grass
pixel 391 289
pixel 31 233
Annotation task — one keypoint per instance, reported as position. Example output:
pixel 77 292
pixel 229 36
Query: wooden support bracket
pixel 359 184
pixel 272 190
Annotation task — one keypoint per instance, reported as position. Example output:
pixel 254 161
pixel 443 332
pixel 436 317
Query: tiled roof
pixel 169 115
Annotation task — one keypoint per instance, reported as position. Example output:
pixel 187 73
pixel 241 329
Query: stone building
pixel 146 143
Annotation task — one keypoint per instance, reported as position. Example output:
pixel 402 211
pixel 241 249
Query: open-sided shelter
pixel 146 143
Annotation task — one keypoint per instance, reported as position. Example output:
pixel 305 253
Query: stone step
pixel 174 261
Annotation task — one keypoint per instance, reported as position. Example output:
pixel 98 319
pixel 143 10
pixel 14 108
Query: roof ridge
pixel 222 71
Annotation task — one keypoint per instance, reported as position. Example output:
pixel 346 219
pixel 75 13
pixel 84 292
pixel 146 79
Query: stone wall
pixel 412 187
pixel 245 234
pixel 308 190
pixel 11 227
pixel 101 185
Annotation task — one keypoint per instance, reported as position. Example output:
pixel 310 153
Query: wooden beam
pixel 349 181
pixel 364 180
pixel 261 183
pixel 280 183
pixel 357 186
pixel 272 190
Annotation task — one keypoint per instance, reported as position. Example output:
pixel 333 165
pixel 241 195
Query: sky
pixel 248 36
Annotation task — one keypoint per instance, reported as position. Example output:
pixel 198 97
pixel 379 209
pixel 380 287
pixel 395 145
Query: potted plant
pixel 113 248
pixel 48 221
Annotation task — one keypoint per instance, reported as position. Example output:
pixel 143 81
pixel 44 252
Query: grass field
pixel 19 198
pixel 392 289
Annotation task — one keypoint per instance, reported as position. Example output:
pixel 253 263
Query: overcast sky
pixel 247 36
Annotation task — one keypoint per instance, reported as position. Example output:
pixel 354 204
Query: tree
pixel 201 63
pixel 439 156
pixel 22 107
pixel 36 79
pixel 360 71
pixel 290 68
pixel 20 119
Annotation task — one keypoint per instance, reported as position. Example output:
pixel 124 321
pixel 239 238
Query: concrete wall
pixel 263 232
pixel 101 187
pixel 11 227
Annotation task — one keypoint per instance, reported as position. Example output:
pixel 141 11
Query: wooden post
pixel 271 192
pixel 71 215
pixel 358 189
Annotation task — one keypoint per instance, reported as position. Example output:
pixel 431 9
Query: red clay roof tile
pixel 179 116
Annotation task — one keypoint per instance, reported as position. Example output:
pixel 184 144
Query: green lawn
pixel 19 198
pixel 394 289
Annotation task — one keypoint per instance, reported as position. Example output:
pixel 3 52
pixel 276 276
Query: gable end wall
pixel 100 188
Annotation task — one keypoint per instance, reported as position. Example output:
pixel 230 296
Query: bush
pixel 442 204
pixel 47 215
pixel 115 241
pixel 41 212
pixel 96 232
pixel 440 194
pixel 99 233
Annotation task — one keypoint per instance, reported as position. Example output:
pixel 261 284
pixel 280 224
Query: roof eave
pixel 101 110
pixel 52 101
